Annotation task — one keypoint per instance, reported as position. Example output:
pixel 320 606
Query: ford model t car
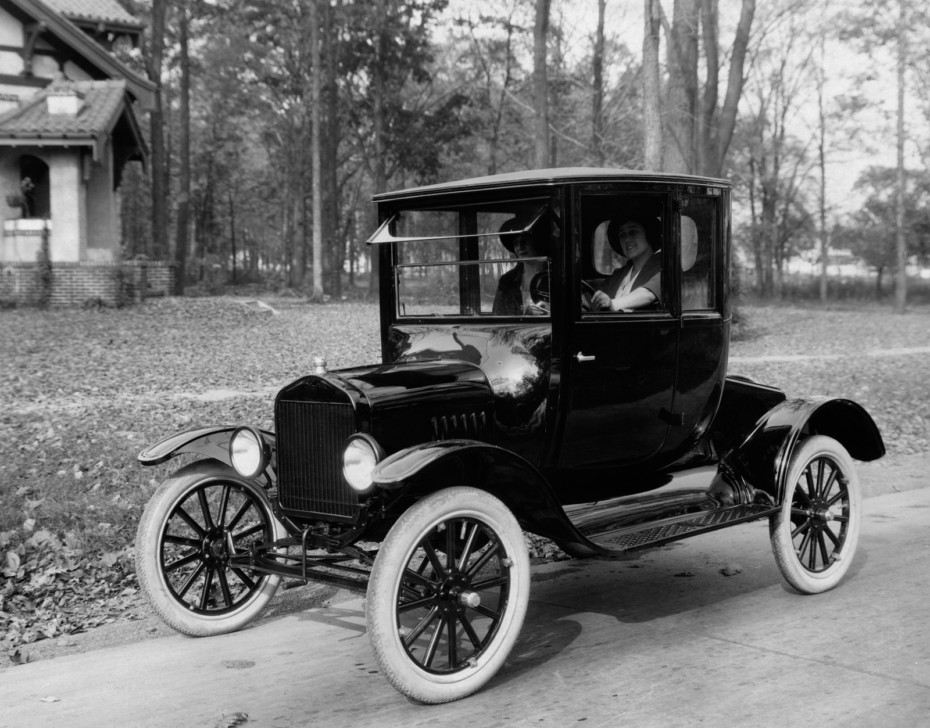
pixel 554 355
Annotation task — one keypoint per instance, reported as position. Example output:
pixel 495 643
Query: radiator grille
pixel 310 440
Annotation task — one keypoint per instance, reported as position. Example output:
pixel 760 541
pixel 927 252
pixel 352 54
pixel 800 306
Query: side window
pixel 622 238
pixel 698 227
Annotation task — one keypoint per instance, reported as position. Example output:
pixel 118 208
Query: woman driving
pixel 639 282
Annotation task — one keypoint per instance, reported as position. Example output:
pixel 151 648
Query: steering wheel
pixel 539 290
pixel 587 294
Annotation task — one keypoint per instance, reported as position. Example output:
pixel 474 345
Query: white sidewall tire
pixel 780 526
pixel 148 547
pixel 383 588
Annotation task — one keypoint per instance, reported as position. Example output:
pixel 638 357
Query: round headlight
pixel 247 452
pixel 359 459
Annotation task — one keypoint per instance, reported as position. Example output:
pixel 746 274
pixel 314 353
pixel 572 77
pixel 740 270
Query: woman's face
pixel 633 243
pixel 524 246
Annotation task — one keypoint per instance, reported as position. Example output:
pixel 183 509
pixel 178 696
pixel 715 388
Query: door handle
pixel 584 357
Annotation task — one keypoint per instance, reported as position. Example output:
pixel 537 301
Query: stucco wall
pixel 102 228
pixel 69 226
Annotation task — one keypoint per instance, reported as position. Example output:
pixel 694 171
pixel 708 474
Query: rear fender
pixel 763 457
pixel 429 467
pixel 210 442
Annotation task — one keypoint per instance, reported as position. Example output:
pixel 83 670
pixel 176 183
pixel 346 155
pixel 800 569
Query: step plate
pixel 676 528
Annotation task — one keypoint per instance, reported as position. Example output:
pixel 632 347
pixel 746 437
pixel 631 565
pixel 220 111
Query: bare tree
pixel 157 121
pixel 900 299
pixel 652 117
pixel 316 191
pixel 541 83
pixel 698 129
pixel 184 154
pixel 597 100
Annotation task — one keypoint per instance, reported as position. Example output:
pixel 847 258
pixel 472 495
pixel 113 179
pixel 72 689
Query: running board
pixel 677 527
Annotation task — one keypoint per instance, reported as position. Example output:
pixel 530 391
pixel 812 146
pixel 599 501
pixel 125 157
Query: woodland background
pixel 278 119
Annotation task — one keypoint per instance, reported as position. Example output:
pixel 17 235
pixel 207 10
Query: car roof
pixel 554 175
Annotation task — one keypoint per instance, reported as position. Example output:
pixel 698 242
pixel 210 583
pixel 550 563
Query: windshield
pixel 475 260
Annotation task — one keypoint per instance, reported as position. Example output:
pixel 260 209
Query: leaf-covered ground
pixel 82 391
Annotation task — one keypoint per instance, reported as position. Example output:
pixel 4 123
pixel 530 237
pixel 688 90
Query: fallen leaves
pixel 82 391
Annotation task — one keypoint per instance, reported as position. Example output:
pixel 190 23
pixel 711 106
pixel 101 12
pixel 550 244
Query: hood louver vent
pixel 470 425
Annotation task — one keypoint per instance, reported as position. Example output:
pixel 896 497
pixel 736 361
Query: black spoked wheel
pixel 196 521
pixel 448 594
pixel 815 534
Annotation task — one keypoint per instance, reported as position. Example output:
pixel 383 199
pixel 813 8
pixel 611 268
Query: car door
pixel 619 368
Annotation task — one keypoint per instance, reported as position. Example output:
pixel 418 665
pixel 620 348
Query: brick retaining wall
pixel 76 284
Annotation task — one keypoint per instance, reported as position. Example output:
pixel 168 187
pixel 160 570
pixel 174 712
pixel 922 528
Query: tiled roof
pixel 109 11
pixel 102 102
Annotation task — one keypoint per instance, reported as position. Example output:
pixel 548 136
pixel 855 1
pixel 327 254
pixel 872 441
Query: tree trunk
pixel 329 158
pixel 822 158
pixel 652 118
pixel 541 84
pixel 377 105
pixel 316 187
pixel 681 97
pixel 597 97
pixel 184 150
pixel 900 299
pixel 157 121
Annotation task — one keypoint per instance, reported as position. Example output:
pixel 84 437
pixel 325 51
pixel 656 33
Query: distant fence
pixel 115 283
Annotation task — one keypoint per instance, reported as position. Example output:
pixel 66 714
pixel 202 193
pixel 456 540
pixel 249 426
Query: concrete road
pixel 662 639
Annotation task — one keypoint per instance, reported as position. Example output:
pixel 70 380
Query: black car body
pixel 602 430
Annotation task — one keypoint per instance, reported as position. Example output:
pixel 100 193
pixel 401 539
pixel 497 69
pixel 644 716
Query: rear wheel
pixel 814 536
pixel 196 520
pixel 448 594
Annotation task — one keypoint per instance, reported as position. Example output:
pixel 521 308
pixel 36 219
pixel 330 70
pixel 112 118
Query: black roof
pixel 555 175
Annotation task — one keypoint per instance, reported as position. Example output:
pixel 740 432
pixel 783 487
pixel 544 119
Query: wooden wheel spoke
pixel 482 560
pixel 415 633
pixel 434 643
pixel 189 520
pixel 189 582
pixel 182 541
pixel 801 529
pixel 489 583
pixel 224 587
pixel 224 503
pixel 488 612
pixel 245 579
pixel 452 636
pixel 205 508
pixel 470 631
pixel 205 592
pixel 469 544
pixel 433 557
pixel 183 561
pixel 243 509
pixel 250 531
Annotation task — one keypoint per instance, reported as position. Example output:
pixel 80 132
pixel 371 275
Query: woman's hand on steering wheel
pixel 587 296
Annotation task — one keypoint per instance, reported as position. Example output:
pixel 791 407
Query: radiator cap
pixel 319 365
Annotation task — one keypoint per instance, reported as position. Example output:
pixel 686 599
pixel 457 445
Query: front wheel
pixel 199 517
pixel 448 594
pixel 815 533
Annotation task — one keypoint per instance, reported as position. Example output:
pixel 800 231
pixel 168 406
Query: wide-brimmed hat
pixel 510 226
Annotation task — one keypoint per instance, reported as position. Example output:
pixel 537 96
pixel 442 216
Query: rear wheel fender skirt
pixel 762 458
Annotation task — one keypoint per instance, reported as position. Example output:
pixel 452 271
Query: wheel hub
pixel 456 593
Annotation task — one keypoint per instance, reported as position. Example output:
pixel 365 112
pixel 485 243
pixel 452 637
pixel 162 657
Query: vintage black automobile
pixel 509 399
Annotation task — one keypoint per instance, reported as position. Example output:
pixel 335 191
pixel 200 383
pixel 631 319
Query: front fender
pixel 763 457
pixel 211 442
pixel 515 481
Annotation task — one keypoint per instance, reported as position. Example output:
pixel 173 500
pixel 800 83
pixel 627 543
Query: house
pixel 68 128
